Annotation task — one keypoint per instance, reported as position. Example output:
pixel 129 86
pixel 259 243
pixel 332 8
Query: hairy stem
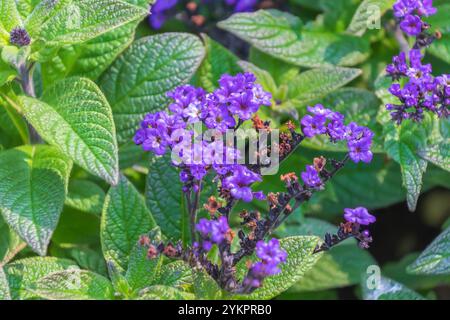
pixel 27 83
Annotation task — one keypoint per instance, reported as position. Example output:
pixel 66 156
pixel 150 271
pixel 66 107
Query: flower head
pixel 158 14
pixel 19 37
pixel 311 178
pixel 359 215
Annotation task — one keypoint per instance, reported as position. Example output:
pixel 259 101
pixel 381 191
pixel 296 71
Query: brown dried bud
pixel 289 177
pixel 320 163
pixel 273 199
pixel 290 125
pixel 212 205
pixel 438 34
pixel 347 227
pixel 288 209
pixel 229 236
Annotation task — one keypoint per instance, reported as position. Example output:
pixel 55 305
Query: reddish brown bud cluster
pixel 320 163
pixel 258 124
pixel 212 205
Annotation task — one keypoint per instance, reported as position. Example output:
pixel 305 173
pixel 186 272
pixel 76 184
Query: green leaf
pixel 142 271
pixel 340 267
pixel 176 274
pixel 281 71
pixel 7 73
pixel 402 144
pixel 388 289
pixel 138 81
pixel 125 218
pixel 367 15
pixel 74 284
pixel 435 259
pixel 4 286
pixel 86 196
pixel 396 271
pixel 438 154
pixel 279 34
pixel 165 293
pixel 163 195
pixel 84 256
pixel 33 185
pixel 91 58
pixel 23 274
pixel 218 61
pixel 205 288
pixel 299 261
pixel 69 21
pixel 75 116
pixel 317 83
pixel 9 19
pixel 10 243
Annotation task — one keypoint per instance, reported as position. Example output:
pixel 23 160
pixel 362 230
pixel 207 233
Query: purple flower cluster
pixel 271 256
pixel 158 12
pixel 421 91
pixel 311 178
pixel 212 231
pixel 359 215
pixel 325 121
pixel 237 99
pixel 410 12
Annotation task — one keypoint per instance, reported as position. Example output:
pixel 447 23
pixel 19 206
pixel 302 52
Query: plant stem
pixel 27 83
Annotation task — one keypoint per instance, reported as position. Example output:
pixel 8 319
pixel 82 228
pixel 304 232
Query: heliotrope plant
pixel 235 102
pixel 418 90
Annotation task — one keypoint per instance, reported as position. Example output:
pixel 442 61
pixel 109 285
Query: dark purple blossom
pixel 239 183
pixel 359 215
pixel 212 231
pixel 19 37
pixel 242 5
pixel 314 125
pixel 311 178
pixel 411 25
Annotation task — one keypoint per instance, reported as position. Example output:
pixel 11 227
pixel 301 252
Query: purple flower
pixel 359 215
pixel 19 37
pixel 411 25
pixel 404 7
pixel 425 8
pixel 311 178
pixel 219 118
pixel 359 150
pixel 270 252
pixel 239 183
pixel 158 12
pixel 313 125
pixel 212 231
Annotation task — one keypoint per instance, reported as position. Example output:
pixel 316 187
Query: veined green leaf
pixel 86 196
pixel 387 289
pixel 205 288
pixel 10 243
pixel 218 61
pixel 4 286
pixel 33 185
pixel 163 195
pixel 340 267
pixel 280 35
pixel 368 15
pixel 438 154
pixel 70 21
pixel 142 271
pixel 316 83
pixel 9 19
pixel 84 256
pixel 160 292
pixel 23 274
pixel 435 259
pixel 125 218
pixel 299 261
pixel 138 81
pixel 74 284
pixel 91 58
pixel 75 116
pixel 175 274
